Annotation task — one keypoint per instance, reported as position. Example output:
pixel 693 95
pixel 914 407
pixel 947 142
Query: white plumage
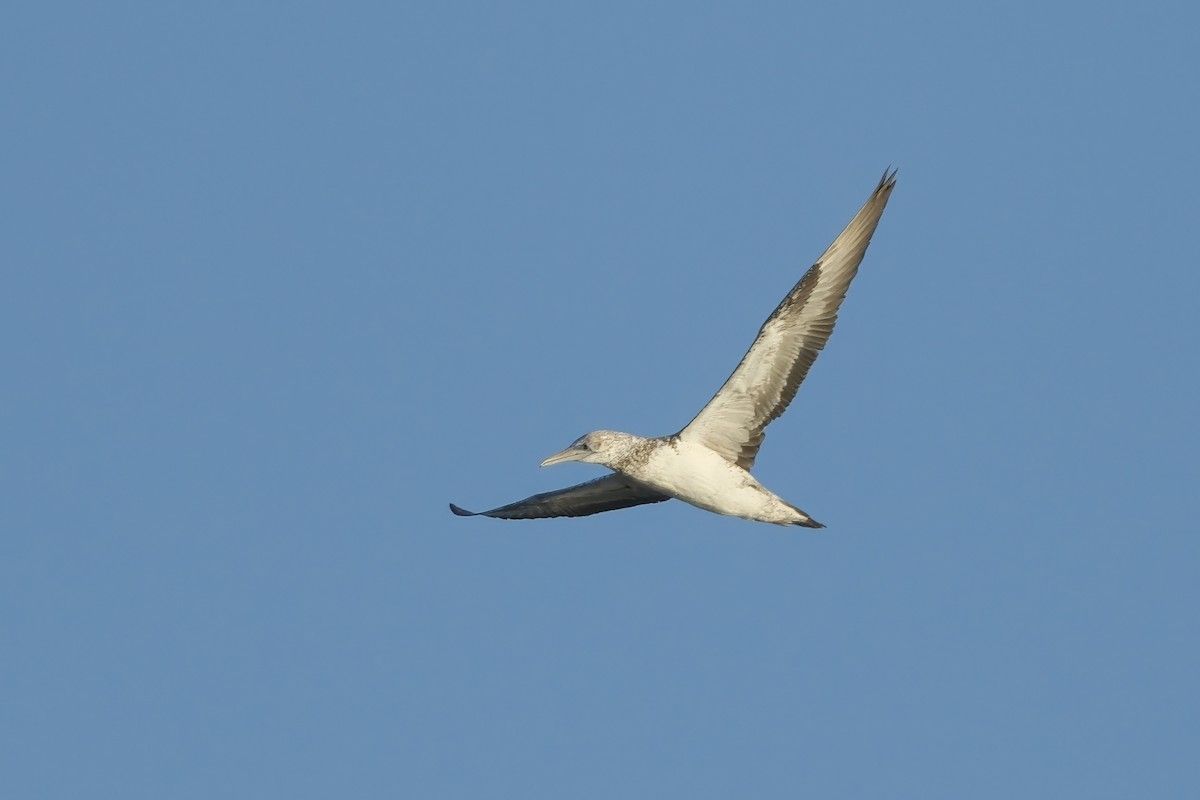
pixel 707 463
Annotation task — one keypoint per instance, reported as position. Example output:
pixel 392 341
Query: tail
pixel 806 521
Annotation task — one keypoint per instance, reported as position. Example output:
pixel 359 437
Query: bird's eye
pixel 584 446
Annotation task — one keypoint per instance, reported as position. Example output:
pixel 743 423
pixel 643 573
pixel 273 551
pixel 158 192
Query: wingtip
pixel 462 512
pixel 888 180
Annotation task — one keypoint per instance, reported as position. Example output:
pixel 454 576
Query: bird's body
pixel 707 463
pixel 695 474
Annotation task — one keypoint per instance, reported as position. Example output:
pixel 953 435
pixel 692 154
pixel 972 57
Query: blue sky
pixel 280 280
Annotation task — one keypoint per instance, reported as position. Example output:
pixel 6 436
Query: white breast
pixel 693 473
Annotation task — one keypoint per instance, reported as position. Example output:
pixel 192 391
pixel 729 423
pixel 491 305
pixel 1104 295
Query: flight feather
pixel 602 494
pixel 764 383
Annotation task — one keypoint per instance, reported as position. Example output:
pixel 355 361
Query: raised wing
pixel 766 380
pixel 602 494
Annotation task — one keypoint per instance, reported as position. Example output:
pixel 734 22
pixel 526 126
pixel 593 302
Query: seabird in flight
pixel 707 463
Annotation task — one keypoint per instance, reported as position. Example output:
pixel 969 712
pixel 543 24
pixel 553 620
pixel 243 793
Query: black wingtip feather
pixel 462 512
pixel 888 180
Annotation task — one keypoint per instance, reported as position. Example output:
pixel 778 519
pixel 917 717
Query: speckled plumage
pixel 707 463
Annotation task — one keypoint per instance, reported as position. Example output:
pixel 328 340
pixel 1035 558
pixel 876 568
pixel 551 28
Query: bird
pixel 707 463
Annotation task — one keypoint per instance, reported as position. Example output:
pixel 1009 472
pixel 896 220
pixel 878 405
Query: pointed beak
pixel 570 454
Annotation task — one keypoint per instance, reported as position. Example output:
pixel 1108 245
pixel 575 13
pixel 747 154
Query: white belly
pixel 697 475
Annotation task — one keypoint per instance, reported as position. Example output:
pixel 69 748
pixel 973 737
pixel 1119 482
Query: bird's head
pixel 597 447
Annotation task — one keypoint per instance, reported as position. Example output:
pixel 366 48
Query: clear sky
pixel 279 280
